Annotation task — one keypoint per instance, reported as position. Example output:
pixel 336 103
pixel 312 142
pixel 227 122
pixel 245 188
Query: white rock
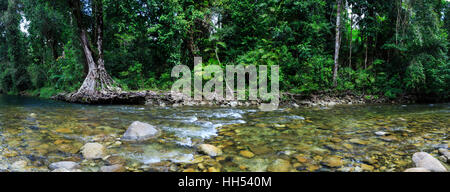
pixel 139 131
pixel 425 160
pixel 445 153
pixel 93 151
pixel 381 133
pixel 64 164
pixel 233 103
pixel 210 150
pixel 66 170
pixel 19 165
pixel 112 168
pixel 417 169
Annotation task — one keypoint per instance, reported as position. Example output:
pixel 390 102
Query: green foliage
pixel 397 47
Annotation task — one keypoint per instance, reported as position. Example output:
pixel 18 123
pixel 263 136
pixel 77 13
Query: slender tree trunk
pixel 337 44
pixel 350 40
pixel 106 81
pixel 365 57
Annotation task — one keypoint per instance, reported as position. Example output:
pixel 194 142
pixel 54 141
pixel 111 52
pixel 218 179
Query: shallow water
pixel 43 131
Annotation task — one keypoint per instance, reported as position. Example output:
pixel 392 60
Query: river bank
pixel 321 99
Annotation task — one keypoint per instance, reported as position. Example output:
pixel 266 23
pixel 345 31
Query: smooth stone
pixel 66 170
pixel 358 141
pixel 417 169
pixel 93 151
pixel 445 153
pixel 425 160
pixel 112 168
pixel 301 158
pixel 139 131
pixel 279 165
pixel 246 154
pixel 381 133
pixel 367 167
pixel 333 161
pixel 64 164
pixel 114 159
pixel 210 150
pixel 19 165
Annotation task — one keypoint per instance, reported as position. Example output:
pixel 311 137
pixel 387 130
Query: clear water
pixel 44 131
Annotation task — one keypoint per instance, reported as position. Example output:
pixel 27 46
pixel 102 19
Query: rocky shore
pixel 163 99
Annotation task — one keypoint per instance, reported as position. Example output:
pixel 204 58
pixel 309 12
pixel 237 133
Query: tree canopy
pixel 389 48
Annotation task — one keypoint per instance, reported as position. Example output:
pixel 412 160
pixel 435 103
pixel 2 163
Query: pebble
pixel 19 165
pixel 367 167
pixel 417 169
pixel 210 150
pixel 279 165
pixel 246 154
pixel 301 158
pixel 445 153
pixel 358 141
pixel 66 170
pixel 64 164
pixel 112 168
pixel 381 133
pixel 333 161
pixel 93 151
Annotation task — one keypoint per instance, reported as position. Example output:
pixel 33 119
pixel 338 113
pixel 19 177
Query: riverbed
pixel 347 138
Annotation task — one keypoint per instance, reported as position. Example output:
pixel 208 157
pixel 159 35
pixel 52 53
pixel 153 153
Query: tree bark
pixel 97 81
pixel 337 43
pixel 350 38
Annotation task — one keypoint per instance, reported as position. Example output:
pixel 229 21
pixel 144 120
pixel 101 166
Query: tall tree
pixel 97 82
pixel 337 43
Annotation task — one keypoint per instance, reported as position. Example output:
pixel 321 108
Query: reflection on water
pixel 341 138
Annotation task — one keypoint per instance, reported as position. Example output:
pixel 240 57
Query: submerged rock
pixel 381 133
pixel 358 141
pixel 279 165
pixel 425 160
pixel 445 153
pixel 66 170
pixel 246 154
pixel 210 150
pixel 139 131
pixel 93 151
pixel 417 169
pixel 112 168
pixel 333 161
pixel 19 165
pixel 64 165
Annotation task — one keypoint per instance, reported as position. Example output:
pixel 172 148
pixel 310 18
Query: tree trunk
pixel 350 39
pixel 97 81
pixel 337 44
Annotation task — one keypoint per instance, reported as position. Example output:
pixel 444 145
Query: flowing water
pixel 340 138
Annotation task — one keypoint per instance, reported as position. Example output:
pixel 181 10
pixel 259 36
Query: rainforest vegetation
pixel 386 48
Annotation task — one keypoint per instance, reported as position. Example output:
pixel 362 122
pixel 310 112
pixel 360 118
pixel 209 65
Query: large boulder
pixel 93 151
pixel 69 165
pixel 139 131
pixel 425 160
